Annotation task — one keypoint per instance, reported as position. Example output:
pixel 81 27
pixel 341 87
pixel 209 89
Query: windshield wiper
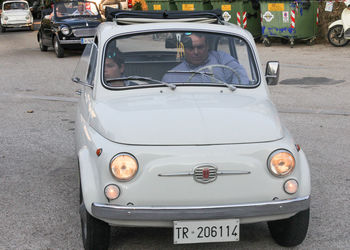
pixel 210 75
pixel 143 78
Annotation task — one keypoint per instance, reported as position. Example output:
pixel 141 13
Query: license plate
pixel 86 40
pixel 206 231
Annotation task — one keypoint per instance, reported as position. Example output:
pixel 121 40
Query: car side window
pixel 85 71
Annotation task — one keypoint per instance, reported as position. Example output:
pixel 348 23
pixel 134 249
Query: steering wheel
pixel 210 67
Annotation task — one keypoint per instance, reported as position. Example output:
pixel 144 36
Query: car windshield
pixel 16 6
pixel 76 8
pixel 179 58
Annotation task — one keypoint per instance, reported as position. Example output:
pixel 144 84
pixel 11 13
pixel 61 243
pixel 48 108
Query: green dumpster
pixel 289 20
pixel 189 5
pixel 161 5
pixel 245 13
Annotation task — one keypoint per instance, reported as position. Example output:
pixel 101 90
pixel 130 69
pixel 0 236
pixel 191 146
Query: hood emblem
pixel 205 174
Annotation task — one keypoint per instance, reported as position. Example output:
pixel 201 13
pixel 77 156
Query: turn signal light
pixel 112 192
pixel 290 186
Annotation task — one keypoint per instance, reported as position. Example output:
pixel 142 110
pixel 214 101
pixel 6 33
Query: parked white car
pixel 16 14
pixel 180 132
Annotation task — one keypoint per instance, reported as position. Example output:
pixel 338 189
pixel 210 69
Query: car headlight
pixel 27 17
pixel 65 30
pixel 124 166
pixel 6 18
pixel 281 163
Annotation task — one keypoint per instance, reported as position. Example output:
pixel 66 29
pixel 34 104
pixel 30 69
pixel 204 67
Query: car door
pixel 46 30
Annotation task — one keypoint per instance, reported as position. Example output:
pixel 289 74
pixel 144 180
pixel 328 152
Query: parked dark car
pixel 71 25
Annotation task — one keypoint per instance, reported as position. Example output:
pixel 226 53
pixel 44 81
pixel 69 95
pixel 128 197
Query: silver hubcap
pixel 56 46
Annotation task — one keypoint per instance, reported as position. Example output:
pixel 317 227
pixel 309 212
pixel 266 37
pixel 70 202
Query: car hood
pixel 79 22
pixel 186 119
pixel 16 12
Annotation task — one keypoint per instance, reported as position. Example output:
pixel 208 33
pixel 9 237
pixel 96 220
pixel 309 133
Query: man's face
pixel 80 7
pixel 199 51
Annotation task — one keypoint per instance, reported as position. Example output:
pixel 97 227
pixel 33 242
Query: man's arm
pixel 228 60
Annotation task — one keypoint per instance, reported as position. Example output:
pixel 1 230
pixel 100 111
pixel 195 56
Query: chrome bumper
pixel 16 25
pixel 70 42
pixel 278 207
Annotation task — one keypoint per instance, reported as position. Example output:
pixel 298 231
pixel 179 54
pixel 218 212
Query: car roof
pixel 15 1
pixel 120 22
pixel 107 30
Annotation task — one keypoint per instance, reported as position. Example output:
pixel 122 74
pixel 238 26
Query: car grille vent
pixel 84 32
pixel 205 174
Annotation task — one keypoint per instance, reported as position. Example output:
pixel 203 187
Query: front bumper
pixel 278 207
pixel 16 25
pixel 76 41
pixel 64 42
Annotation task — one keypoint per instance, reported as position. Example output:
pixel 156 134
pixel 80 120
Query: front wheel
pixel 336 36
pixel 41 45
pixel 95 232
pixel 58 48
pixel 292 231
pixel 3 29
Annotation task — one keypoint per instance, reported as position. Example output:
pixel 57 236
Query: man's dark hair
pixel 187 41
pixel 115 54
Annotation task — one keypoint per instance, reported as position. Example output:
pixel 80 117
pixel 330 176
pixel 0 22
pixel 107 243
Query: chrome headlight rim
pixel 274 153
pixel 124 154
pixel 65 30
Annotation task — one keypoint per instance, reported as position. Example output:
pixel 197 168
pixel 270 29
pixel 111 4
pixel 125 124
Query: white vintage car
pixel 16 14
pixel 178 130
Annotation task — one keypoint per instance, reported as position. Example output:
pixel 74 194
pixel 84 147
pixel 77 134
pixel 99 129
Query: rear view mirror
pixel 170 43
pixel 272 72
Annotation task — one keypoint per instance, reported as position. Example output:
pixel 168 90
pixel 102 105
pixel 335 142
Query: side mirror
pixel 272 72
pixel 77 80
pixel 170 43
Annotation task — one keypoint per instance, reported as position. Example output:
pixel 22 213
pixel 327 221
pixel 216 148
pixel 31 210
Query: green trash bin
pixel 161 5
pixel 289 20
pixel 245 13
pixel 190 5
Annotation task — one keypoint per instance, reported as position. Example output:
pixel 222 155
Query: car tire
pixel 95 233
pixel 41 45
pixel 292 231
pixel 3 29
pixel 58 48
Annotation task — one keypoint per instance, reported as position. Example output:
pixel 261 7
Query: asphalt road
pixel 38 170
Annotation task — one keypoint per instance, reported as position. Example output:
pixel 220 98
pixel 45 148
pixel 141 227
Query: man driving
pixel 81 10
pixel 212 66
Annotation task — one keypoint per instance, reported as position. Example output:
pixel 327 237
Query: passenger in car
pixel 198 56
pixel 60 11
pixel 114 68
